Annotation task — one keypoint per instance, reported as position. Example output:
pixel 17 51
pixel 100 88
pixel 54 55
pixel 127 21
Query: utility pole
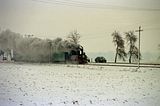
pixel 139 30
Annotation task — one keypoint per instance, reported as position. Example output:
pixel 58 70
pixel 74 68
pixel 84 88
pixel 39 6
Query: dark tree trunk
pixel 116 55
pixel 130 54
pixel 130 59
pixel 115 58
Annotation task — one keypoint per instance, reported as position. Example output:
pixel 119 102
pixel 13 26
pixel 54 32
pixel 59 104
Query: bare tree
pixel 133 50
pixel 119 43
pixel 74 37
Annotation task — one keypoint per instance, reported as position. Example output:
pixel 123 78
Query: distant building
pixel 6 55
pixel 1 55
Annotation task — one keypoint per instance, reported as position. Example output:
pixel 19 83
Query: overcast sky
pixel 95 20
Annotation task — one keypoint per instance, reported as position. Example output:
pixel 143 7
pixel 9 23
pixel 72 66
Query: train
pixel 74 56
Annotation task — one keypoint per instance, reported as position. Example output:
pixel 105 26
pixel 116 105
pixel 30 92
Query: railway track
pixel 126 65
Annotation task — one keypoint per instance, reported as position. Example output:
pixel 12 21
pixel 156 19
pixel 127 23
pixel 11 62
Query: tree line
pixel 119 42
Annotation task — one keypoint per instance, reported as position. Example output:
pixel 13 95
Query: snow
pixel 78 85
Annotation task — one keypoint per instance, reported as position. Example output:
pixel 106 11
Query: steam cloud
pixel 32 49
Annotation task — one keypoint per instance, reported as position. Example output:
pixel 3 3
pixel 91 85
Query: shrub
pixel 100 60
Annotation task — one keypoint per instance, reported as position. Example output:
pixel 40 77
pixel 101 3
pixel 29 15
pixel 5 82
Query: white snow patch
pixel 78 85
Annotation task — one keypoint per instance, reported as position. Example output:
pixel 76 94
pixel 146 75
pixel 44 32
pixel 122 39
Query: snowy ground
pixel 77 85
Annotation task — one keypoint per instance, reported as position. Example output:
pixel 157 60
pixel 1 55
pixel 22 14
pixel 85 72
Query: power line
pixel 93 5
pixel 76 2
pixel 64 3
pixel 148 29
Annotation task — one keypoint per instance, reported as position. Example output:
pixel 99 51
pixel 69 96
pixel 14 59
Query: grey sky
pixel 50 20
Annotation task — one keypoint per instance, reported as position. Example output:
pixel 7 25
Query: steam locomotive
pixel 74 56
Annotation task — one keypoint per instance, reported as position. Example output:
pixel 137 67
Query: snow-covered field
pixel 77 85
